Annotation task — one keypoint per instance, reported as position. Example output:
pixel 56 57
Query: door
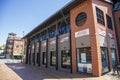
pixel 53 58
pixel 84 63
pixel 104 57
pixel 38 58
pixel 65 59
pixel 44 58
pixel 113 55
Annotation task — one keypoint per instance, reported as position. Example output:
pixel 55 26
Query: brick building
pixel 117 22
pixel 79 38
pixel 14 46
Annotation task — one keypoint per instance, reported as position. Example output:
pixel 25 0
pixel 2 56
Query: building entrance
pixel 113 55
pixel 53 58
pixel 44 58
pixel 84 63
pixel 65 59
pixel 104 57
pixel 38 59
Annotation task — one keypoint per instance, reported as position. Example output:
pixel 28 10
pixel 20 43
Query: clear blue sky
pixel 24 15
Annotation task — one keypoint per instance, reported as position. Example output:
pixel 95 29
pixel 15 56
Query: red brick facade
pixel 91 23
pixel 93 30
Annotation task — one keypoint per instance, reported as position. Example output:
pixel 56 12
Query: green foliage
pixel 3 46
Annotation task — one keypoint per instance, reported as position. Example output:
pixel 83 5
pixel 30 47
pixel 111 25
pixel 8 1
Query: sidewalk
pixel 30 72
pixel 7 74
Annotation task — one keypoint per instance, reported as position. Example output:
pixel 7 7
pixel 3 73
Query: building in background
pixel 117 22
pixel 1 51
pixel 14 46
pixel 79 38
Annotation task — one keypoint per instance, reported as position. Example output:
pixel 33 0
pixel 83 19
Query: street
pixel 9 61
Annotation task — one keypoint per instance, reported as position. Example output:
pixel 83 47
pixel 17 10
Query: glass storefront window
pixel 84 62
pixel 44 58
pixel 52 58
pixel 65 59
pixel 113 55
pixel 104 57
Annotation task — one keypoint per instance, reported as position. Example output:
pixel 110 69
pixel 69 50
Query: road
pixel 9 61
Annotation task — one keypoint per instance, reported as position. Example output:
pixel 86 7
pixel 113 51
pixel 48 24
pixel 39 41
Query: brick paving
pixel 7 74
pixel 30 72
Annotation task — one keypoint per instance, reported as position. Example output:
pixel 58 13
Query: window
pixel 43 35
pixel 63 28
pixel 104 59
pixel 52 58
pixel 113 56
pixel 52 31
pixel 65 59
pixel 44 58
pixel 83 59
pixel 100 16
pixel 81 19
pixel 109 22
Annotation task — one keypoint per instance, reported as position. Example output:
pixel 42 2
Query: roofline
pixel 69 4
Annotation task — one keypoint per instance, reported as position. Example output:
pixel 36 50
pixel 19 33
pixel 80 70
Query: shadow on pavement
pixel 30 72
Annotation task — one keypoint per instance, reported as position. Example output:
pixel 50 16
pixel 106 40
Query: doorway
pixel 104 58
pixel 53 58
pixel 44 58
pixel 65 59
pixel 84 62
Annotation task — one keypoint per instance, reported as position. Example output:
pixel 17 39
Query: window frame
pixel 100 16
pixel 109 22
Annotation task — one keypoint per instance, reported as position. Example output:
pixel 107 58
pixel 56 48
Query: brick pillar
pixel 95 54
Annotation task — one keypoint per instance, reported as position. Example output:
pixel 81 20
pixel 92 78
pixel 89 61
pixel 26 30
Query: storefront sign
pixel 81 33
pixel 52 42
pixel 65 39
pixel 83 57
pixel 101 32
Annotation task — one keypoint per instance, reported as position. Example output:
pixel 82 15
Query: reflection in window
pixel 44 58
pixel 43 35
pixel 65 59
pixel 104 58
pixel 84 61
pixel 113 55
pixel 52 58
pixel 52 31
pixel 109 22
pixel 63 28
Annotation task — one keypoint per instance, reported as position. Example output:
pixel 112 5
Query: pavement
pixel 7 73
pixel 30 72
pixel 14 70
